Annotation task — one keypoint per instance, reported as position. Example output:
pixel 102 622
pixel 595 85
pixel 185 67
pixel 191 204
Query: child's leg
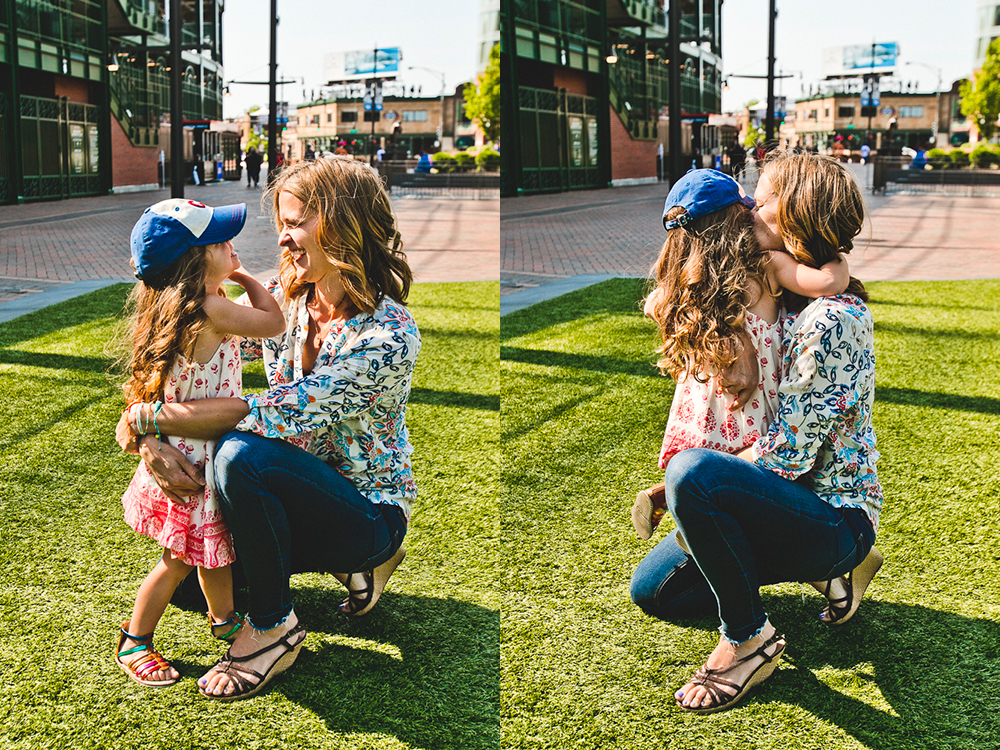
pixel 217 585
pixel 150 602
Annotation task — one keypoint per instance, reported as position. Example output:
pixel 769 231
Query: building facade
pixel 586 82
pixel 987 29
pixel 405 126
pixel 84 90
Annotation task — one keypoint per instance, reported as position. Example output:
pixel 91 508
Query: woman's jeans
pixel 746 527
pixel 289 512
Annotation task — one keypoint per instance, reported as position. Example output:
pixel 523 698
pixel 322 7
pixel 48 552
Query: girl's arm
pixel 263 320
pixel 827 280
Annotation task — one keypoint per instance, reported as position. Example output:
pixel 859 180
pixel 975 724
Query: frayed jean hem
pixel 734 642
pixel 281 621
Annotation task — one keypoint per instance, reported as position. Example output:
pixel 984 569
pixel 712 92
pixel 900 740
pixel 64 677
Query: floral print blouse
pixel 823 428
pixel 350 410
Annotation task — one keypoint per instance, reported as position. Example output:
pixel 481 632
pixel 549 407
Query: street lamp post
pixel 937 106
pixel 437 73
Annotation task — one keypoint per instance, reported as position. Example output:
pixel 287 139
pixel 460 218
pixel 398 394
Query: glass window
pixel 911 111
pixel 29 147
pixel 415 115
pixel 843 111
pixel 348 115
pixel 996 16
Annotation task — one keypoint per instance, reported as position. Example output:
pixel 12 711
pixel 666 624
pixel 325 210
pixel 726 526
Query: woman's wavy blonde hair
pixel 165 315
pixel 703 276
pixel 820 211
pixel 357 229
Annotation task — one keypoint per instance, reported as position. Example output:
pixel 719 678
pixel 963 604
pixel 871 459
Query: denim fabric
pixel 746 527
pixel 289 512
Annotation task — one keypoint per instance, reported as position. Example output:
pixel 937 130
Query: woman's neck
pixel 330 299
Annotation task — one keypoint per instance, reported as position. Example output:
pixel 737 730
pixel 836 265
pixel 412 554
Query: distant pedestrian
pixel 341 149
pixel 865 153
pixel 737 159
pixel 185 347
pixel 424 162
pixel 379 153
pixel 253 161
pixel 310 154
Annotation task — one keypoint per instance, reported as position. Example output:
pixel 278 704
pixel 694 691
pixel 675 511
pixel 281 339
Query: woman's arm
pixel 827 280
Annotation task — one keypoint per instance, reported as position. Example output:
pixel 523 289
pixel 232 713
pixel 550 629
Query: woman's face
pixel 298 234
pixel 765 215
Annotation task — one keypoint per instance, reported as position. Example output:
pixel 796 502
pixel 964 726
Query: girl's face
pixel 299 237
pixel 220 261
pixel 765 215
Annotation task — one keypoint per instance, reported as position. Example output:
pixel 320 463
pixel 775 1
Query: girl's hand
pixel 124 436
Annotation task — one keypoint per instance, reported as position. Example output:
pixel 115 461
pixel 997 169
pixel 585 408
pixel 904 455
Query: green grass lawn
pixel 422 671
pixel 582 417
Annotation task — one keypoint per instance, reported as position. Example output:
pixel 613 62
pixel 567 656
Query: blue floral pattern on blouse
pixel 350 410
pixel 823 429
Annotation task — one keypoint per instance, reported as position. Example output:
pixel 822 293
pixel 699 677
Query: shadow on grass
pixel 610 365
pixel 911 397
pixel 896 676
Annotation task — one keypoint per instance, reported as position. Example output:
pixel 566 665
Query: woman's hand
pixel 176 476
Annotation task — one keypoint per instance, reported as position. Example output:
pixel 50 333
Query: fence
pixel 457 185
pixel 958 182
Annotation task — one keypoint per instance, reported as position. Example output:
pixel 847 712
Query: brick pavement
pixel 618 231
pixel 45 245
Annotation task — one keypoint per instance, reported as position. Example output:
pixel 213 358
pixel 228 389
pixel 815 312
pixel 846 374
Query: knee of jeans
pixel 682 471
pixel 232 458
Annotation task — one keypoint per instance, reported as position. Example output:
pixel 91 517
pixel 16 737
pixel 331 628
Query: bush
pixel 443 162
pixel 959 158
pixel 938 159
pixel 488 160
pixel 464 161
pixel 983 157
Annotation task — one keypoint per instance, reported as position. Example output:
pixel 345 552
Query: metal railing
pixel 460 185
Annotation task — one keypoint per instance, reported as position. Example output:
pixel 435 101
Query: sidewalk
pixel 617 232
pixel 47 247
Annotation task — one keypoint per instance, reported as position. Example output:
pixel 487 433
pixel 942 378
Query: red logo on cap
pixel 196 204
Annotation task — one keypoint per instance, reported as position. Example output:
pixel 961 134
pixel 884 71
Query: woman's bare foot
pixel 725 660
pixel 248 640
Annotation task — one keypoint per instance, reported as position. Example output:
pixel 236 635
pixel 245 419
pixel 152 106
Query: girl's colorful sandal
pixel 227 629
pixel 146 660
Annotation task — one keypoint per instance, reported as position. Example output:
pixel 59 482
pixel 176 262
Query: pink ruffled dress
pixel 195 533
pixel 699 415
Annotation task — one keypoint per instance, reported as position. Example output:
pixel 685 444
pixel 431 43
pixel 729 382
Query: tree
pixel 981 97
pixel 482 99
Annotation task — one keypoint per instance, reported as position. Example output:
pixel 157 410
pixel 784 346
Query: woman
pixel 731 509
pixel 315 473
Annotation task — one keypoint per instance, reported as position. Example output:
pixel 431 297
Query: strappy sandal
pixel 839 611
pixel 360 601
pixel 712 681
pixel 228 629
pixel 229 665
pixel 146 661
pixel 649 509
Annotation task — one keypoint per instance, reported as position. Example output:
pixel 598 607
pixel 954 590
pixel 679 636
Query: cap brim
pixel 748 201
pixel 226 223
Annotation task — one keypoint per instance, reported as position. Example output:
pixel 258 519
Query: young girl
pixel 715 293
pixel 185 346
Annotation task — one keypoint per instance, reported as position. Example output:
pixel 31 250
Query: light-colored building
pixel 987 29
pixel 489 30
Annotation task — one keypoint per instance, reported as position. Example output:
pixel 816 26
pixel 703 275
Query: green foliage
pixel 583 412
pixel 938 158
pixel 754 136
pixel 981 97
pixel 464 161
pixel 421 671
pixel 488 160
pixel 443 162
pixel 482 99
pixel 959 158
pixel 984 156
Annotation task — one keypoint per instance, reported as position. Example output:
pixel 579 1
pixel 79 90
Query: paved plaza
pixel 617 232
pixel 46 247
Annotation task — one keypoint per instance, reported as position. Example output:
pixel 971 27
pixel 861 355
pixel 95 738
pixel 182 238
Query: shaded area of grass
pixel 421 671
pixel 583 419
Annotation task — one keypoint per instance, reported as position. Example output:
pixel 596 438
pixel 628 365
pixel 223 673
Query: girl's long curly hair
pixel 165 315
pixel 820 211
pixel 357 229
pixel 703 276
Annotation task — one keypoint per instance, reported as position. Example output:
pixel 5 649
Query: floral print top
pixel 350 410
pixel 823 428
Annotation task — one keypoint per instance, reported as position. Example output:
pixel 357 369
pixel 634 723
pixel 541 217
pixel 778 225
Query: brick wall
pixel 73 89
pixel 630 159
pixel 574 81
pixel 131 165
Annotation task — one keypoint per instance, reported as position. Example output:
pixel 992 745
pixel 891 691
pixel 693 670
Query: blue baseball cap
pixel 168 229
pixel 700 192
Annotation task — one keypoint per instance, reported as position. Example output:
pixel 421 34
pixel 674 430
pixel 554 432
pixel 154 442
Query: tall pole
pixel 769 120
pixel 676 160
pixel 176 104
pixel 272 98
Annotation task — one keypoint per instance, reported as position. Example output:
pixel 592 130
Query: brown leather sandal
pixel 839 611
pixel 712 681
pixel 360 601
pixel 146 660
pixel 230 666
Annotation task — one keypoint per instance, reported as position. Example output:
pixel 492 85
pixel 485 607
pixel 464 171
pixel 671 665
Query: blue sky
pixel 439 34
